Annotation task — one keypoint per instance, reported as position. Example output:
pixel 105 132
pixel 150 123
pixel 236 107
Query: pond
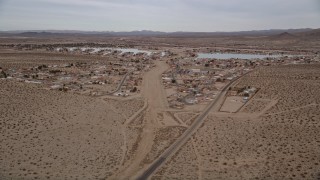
pixel 235 56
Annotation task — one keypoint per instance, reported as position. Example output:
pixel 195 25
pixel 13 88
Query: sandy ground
pixel 19 59
pixel 55 135
pixel 274 136
pixel 232 104
pixel 49 134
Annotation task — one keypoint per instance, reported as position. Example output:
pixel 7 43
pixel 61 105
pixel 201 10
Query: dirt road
pixel 155 95
pixel 152 88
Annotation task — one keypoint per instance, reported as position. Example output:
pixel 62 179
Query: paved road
pixel 185 136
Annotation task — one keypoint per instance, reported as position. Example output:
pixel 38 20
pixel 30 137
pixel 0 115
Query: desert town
pixel 189 80
pixel 116 109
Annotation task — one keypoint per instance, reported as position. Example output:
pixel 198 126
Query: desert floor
pixel 47 134
pixel 274 136
pixel 60 135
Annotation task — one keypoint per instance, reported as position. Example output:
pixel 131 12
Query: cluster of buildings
pixel 120 77
pixel 245 92
pixel 196 81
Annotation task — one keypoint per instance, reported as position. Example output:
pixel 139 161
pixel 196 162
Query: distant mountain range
pixel 53 33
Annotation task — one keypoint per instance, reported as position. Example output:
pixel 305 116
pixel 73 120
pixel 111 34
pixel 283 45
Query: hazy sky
pixel 158 15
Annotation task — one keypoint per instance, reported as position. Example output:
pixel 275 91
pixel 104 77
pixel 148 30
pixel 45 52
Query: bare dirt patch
pixel 232 104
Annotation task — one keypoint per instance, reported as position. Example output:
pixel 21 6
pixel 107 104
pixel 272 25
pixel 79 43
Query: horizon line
pixel 111 31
